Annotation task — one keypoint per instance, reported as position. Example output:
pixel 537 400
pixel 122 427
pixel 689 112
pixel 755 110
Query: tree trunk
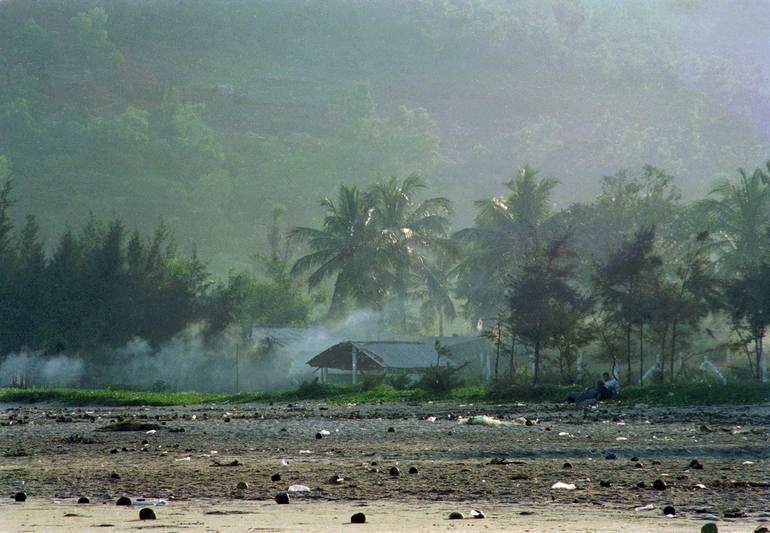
pixel 513 357
pixel 641 353
pixel 673 349
pixel 758 354
pixel 663 356
pixel 497 358
pixel 440 324
pixel 629 377
pixel 536 377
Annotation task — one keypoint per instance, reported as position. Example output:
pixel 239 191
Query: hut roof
pixel 379 355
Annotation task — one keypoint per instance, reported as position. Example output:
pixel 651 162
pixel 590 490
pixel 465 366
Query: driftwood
pixel 129 425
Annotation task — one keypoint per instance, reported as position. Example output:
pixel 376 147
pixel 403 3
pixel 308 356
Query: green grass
pixel 680 394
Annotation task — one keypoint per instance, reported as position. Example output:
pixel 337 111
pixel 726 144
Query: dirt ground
pixel 505 470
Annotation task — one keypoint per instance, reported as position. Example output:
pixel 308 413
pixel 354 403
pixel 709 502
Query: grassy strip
pixel 681 394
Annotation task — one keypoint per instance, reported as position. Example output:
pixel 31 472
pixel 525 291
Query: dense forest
pixel 561 176
pixel 211 115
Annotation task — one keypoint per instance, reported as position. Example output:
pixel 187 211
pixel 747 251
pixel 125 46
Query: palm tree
pixel 740 218
pixel 435 291
pixel 505 228
pixel 345 249
pixel 406 231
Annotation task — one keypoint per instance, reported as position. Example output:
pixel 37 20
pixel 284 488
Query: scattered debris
pixel 78 439
pixel 394 471
pixel 123 500
pixel 481 420
pixel 299 488
pixel 242 485
pixel 83 500
pixel 413 470
pixel 456 515
pixel 282 498
pixel 567 466
pixel 696 465
pixel 648 507
pixel 20 496
pixel 505 461
pixel 129 425
pixel 659 484
pixel 711 527
pixel 358 518
pixel 390 430
pixel 559 485
pixel 477 513
pixel 275 477
pixel 234 462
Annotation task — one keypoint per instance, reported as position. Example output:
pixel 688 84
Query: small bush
pixel 160 386
pixel 399 381
pixel 439 379
pixel 371 381
pixel 316 390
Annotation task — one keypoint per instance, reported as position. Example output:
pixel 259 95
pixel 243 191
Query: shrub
pixel 440 379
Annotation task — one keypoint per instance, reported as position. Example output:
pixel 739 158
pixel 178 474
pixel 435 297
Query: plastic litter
pixel 145 501
pixel 559 485
pixel 299 488
pixel 482 420
pixel 325 432
pixel 648 507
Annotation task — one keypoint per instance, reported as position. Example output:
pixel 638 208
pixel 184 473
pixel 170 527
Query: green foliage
pixel 342 93
pixel 439 380
pixel 545 308
pixel 504 233
pixel 626 285
pixel 92 46
pixel 679 394
pixel 748 302
pixel 737 213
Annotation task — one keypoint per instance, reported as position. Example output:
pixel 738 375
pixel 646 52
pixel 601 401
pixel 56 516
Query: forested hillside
pixel 209 114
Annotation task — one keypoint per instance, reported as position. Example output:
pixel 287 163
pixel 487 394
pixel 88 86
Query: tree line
pixel 101 286
pixel 636 278
pixel 633 273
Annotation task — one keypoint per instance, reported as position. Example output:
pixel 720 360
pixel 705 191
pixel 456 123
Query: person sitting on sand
pixel 605 388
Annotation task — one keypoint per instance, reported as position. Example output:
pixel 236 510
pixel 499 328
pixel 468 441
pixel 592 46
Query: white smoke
pixel 32 368
pixel 190 361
